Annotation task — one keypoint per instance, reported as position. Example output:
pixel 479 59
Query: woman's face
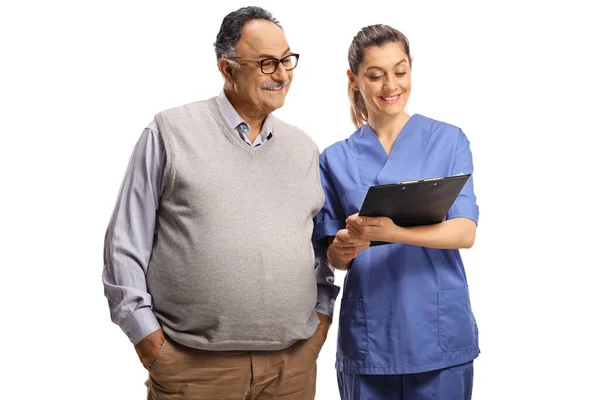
pixel 384 80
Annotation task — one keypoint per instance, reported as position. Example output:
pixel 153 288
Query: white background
pixel 79 81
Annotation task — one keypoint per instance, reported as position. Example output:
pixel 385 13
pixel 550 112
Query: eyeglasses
pixel 270 65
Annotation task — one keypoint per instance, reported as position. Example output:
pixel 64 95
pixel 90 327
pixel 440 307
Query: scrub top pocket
pixel 456 329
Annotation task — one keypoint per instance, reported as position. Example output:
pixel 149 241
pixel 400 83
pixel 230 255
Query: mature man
pixel 209 267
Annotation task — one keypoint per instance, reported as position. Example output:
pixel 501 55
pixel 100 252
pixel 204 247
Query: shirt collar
pixel 233 119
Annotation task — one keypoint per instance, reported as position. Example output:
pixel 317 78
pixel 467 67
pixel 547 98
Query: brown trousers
pixel 180 372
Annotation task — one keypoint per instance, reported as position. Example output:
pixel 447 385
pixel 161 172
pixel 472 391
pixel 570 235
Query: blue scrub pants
pixel 454 383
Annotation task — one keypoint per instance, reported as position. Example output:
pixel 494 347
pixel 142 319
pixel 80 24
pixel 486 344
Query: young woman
pixel 406 326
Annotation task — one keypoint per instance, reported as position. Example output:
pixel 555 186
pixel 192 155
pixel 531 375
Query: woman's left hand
pixel 371 228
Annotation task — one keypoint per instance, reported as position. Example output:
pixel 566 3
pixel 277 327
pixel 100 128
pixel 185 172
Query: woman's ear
pixel 352 79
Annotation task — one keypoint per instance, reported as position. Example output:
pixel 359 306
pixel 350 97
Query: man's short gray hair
pixel 231 29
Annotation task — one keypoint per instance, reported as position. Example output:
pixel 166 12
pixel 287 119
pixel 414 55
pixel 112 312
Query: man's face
pixel 255 91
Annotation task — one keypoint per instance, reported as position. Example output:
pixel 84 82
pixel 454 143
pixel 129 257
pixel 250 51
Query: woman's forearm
pixel 456 233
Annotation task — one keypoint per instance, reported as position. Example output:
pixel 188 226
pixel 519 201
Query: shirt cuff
pixel 472 215
pixel 140 324
pixel 326 296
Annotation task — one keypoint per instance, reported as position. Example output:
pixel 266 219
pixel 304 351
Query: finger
pixel 356 239
pixel 343 255
pixel 344 237
pixel 342 234
pixel 359 235
pixel 355 233
pixel 345 246
pixel 369 221
pixel 347 256
pixel 352 236
pixel 363 243
pixel 352 217
pixel 365 246
pixel 353 223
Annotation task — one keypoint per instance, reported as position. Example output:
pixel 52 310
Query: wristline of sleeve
pixel 327 228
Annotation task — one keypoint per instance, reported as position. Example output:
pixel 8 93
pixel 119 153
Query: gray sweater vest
pixel 232 266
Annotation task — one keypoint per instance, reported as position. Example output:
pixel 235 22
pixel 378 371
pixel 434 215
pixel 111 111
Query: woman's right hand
pixel 344 248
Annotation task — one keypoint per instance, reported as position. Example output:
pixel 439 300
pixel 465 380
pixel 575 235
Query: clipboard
pixel 413 203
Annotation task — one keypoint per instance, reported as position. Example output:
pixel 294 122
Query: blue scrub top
pixel 404 309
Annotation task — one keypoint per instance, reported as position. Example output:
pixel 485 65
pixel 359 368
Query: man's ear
pixel 227 70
